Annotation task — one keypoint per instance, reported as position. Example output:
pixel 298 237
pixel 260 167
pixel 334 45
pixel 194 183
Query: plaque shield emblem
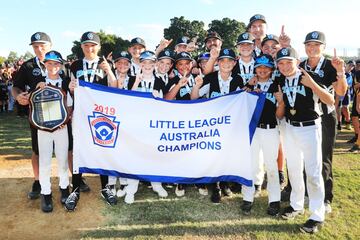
pixel 48 109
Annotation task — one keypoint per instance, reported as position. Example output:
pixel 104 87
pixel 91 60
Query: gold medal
pixel 292 111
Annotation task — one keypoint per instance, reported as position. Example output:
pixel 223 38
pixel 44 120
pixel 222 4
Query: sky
pixel 65 21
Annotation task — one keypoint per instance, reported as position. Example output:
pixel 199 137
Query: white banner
pixel 131 134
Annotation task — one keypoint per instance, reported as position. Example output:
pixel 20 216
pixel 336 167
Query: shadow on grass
pixel 15 138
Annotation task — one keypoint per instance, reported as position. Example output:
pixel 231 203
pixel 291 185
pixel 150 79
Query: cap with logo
pixel 183 56
pixel 166 54
pixel 255 18
pixel 118 54
pixel 269 37
pixel 245 38
pixel 212 34
pixel 182 41
pixel 286 53
pixel 227 53
pixel 54 56
pixel 147 55
pixel 137 41
pixel 315 36
pixel 203 56
pixel 264 60
pixel 40 37
pixel 90 37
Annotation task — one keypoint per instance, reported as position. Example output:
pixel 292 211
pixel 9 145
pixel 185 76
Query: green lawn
pixel 195 217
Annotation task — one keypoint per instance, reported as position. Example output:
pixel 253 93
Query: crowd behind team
pixel 303 107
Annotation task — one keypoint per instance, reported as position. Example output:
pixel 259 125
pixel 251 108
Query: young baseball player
pixel 216 84
pixel 57 140
pixel 146 81
pixel 97 71
pixel 164 64
pixel 330 73
pixel 29 75
pixel 213 43
pixel 266 139
pixel 137 46
pixel 302 142
pixel 122 62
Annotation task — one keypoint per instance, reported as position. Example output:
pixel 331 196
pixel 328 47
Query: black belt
pixel 301 124
pixel 266 126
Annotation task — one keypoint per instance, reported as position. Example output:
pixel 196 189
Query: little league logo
pixel 104 129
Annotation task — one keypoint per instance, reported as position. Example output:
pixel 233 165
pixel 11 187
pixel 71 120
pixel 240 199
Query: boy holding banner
pixel 217 84
pixel 146 81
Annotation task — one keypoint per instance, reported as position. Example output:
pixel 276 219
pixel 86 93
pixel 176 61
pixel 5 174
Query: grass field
pixel 192 216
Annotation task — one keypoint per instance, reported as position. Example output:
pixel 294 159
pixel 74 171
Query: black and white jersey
pixel 164 77
pixel 128 79
pixel 134 68
pixel 184 92
pixel 325 74
pixel 31 73
pixel 215 86
pixel 245 70
pixel 301 104
pixel 268 114
pixel 154 85
pixel 89 71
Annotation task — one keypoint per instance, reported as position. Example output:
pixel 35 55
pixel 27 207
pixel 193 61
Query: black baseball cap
pixel 286 53
pixel 147 55
pixel 264 60
pixel 54 56
pixel 182 41
pixel 315 36
pixel 227 53
pixel 255 18
pixel 270 37
pixel 118 54
pixel 212 34
pixel 183 56
pixel 203 56
pixel 137 41
pixel 245 38
pixel 166 54
pixel 40 37
pixel 90 37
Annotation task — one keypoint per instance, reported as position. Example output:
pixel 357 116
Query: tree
pixel 28 55
pixel 2 60
pixel 13 57
pixel 228 29
pixel 181 27
pixel 109 42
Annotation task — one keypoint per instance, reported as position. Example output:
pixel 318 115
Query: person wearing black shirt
pixel 94 70
pixel 302 142
pixel 330 73
pixel 265 143
pixel 30 73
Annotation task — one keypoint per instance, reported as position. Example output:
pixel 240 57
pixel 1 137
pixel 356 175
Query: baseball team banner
pixel 134 135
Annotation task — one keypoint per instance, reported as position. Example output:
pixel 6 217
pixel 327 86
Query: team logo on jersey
pixel 90 36
pixel 104 129
pixel 36 72
pixel 284 52
pixel 321 73
pixel 37 36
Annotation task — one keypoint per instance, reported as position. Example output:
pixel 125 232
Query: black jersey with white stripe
pixel 307 104
pixel 268 114
pixel 155 85
pixel 99 76
pixel 211 85
pixel 248 70
pixel 184 92
pixel 326 76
